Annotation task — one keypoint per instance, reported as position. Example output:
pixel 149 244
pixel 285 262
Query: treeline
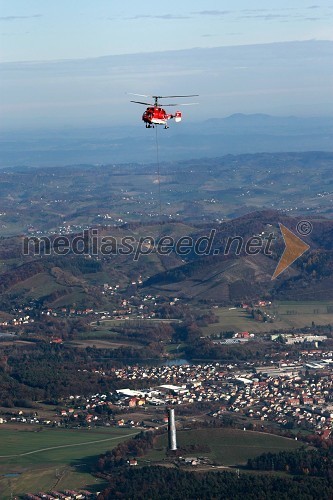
pixel 316 462
pixel 48 372
pixel 144 332
pixel 203 348
pixel 154 350
pixel 123 452
pixel 319 263
pixel 14 393
pixel 76 264
pixel 48 327
pixel 150 483
pixel 57 379
pixel 20 273
pixel 41 370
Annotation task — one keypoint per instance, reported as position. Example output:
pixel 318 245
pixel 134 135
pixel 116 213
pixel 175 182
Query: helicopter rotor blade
pixel 145 103
pixel 141 95
pixel 171 96
pixel 181 104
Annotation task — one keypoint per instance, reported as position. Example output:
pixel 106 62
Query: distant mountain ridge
pixel 235 134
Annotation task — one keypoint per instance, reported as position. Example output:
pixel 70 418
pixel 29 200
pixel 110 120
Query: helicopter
pixel 156 115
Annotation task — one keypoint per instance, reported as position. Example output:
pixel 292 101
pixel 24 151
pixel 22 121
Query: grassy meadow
pixel 286 315
pixel 32 460
pixel 227 446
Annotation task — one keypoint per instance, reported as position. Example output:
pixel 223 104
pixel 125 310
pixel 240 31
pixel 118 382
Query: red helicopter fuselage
pixel 155 115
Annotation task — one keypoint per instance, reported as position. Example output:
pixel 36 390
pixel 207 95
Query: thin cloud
pixel 161 16
pixel 242 11
pixel 280 17
pixel 16 18
pixel 269 10
pixel 253 11
pixel 266 17
pixel 212 12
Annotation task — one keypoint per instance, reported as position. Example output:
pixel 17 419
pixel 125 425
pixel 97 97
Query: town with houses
pixel 26 314
pixel 290 395
pixel 61 495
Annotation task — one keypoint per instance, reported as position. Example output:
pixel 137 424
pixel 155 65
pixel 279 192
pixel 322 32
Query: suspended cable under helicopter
pixel 158 178
pixel 156 115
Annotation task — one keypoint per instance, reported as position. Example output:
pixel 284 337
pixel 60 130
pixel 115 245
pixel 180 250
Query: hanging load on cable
pixel 156 115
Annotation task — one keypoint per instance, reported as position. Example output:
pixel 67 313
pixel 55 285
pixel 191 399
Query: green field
pixel 102 336
pixel 227 446
pixel 287 315
pixel 52 457
pixel 35 286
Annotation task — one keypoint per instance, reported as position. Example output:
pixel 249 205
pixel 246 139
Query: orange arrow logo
pixel 295 247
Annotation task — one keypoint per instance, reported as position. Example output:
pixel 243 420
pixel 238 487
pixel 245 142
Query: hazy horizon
pixel 71 65
pixel 281 79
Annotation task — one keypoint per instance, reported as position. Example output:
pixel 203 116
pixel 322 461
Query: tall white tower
pixel 172 430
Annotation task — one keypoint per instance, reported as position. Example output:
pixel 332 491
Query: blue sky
pixel 34 30
pixel 54 70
